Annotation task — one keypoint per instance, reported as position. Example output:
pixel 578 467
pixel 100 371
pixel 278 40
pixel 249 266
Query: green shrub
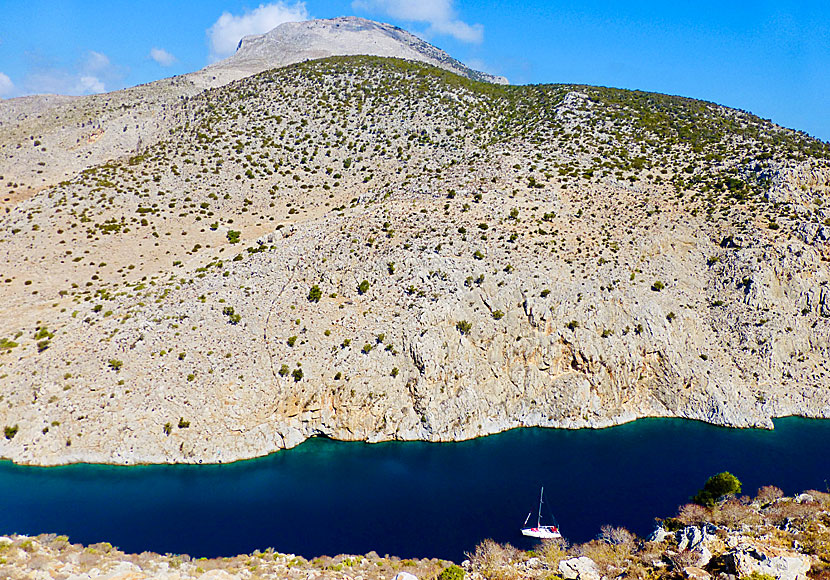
pixel 452 572
pixel 314 294
pixel 284 370
pixel 183 424
pixel 716 487
pixel 463 326
pixel 498 315
pixel 233 318
pixel 292 340
pixel 657 286
pixel 10 432
pixel 297 374
pixel 755 575
pixel 115 364
pixel 6 344
pixel 168 428
pixel 233 236
pixel 363 288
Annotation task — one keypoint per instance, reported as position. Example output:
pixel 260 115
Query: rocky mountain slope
pixel 48 138
pixel 768 538
pixel 370 249
pixel 294 42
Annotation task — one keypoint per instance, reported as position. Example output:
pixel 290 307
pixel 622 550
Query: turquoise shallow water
pixel 410 499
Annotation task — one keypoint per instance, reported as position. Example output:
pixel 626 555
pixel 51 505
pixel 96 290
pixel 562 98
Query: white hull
pixel 542 532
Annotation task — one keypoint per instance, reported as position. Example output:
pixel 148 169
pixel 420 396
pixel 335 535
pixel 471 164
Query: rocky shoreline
pixel 768 537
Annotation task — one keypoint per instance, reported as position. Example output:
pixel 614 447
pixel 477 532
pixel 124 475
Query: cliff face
pixel 373 249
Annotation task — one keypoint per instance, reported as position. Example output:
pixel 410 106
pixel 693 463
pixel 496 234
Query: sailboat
pixel 540 531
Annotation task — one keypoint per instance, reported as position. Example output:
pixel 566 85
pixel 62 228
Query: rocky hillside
pixel 768 538
pixel 373 249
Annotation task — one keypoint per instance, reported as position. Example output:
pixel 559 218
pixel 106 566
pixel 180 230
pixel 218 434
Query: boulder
pixel 695 573
pixel 695 540
pixel 404 576
pixel 660 535
pixel 746 559
pixel 582 568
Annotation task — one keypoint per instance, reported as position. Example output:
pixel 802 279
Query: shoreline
pixel 369 441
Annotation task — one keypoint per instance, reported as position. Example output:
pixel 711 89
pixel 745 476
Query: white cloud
pixel 94 74
pixel 226 32
pixel 96 62
pixel 88 84
pixel 162 57
pixel 6 85
pixel 439 14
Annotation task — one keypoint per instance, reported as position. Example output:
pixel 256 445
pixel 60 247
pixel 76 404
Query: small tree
pixel 716 487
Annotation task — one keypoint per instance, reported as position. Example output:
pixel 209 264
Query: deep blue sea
pixel 410 499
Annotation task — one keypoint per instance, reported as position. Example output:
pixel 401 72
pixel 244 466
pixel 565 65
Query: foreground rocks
pixel 770 537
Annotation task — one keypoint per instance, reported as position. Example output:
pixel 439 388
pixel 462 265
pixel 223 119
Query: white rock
pixel 582 568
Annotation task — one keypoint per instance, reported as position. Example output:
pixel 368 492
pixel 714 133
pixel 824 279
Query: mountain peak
pixel 293 42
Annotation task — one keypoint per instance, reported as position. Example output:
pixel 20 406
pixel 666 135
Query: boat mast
pixel 539 517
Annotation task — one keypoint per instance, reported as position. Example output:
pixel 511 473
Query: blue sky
pixel 770 58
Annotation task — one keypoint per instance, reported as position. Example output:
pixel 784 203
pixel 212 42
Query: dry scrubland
pixel 770 537
pixel 372 249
